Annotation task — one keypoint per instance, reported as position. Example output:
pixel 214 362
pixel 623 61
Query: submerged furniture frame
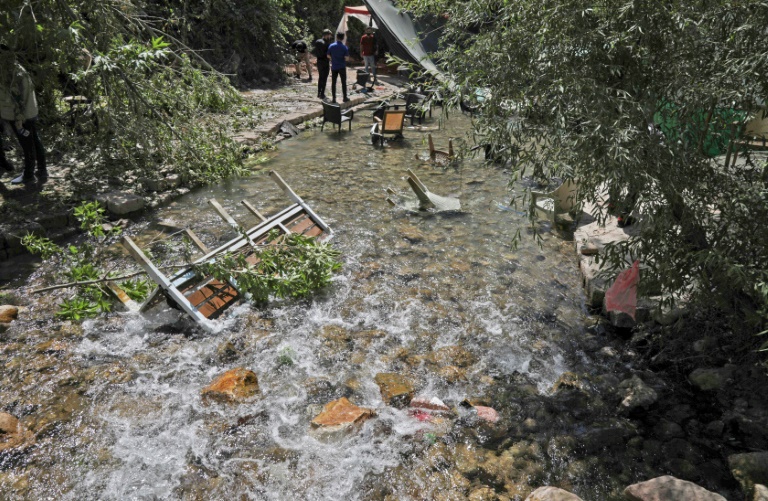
pixel 332 113
pixel 205 298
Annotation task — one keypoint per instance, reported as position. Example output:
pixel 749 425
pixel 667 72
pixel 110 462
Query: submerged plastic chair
pixel 332 113
pixel 562 199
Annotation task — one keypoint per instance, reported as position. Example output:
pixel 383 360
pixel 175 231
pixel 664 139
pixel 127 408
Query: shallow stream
pixel 443 298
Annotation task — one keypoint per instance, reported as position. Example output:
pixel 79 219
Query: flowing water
pixel 445 299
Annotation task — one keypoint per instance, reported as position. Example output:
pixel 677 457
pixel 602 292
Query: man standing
pixel 18 106
pixel 323 64
pixel 302 55
pixel 338 53
pixel 368 51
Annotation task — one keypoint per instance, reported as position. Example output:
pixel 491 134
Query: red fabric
pixel 622 296
pixel 356 10
pixel 367 43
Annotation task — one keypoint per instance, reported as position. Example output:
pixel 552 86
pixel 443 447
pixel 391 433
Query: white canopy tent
pixel 360 13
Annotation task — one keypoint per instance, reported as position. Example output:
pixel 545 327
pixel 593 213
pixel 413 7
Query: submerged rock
pixel 487 414
pixel 396 389
pixel 669 488
pixel 636 395
pixel 233 386
pixel 453 355
pixel 552 494
pixel 12 434
pixel 761 493
pixel 430 404
pixel 749 469
pixel 710 379
pixel 8 314
pixel 339 416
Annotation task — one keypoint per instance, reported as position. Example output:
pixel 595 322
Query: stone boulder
pixel 636 395
pixel 711 379
pixel 761 493
pixel 396 389
pixel 669 488
pixel 8 314
pixel 234 385
pixel 552 494
pixel 749 469
pixel 12 434
pixel 339 416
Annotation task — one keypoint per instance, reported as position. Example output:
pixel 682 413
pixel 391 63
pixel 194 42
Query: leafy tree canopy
pixel 632 97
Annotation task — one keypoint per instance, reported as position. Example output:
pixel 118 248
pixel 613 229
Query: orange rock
pixel 341 412
pixel 232 386
pixel 8 313
pixel 12 434
pixel 396 389
pixel 8 424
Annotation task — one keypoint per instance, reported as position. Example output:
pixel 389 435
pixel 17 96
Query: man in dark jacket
pixel 320 51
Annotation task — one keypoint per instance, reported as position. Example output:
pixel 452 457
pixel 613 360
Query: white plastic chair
pixel 562 199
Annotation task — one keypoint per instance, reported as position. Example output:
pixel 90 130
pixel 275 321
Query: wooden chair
pixel 391 122
pixel 332 113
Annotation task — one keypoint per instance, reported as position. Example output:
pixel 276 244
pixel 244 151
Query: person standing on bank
pixel 338 54
pixel 302 56
pixel 368 51
pixel 323 64
pixel 18 106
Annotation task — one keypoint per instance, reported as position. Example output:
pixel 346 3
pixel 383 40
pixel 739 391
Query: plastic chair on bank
pixel 562 199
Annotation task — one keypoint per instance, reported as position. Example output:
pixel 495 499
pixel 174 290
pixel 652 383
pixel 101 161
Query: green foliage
pixel 81 264
pixel 44 247
pixel 138 289
pixel 291 267
pixel 576 89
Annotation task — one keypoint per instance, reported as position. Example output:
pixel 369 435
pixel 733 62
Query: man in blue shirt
pixel 338 53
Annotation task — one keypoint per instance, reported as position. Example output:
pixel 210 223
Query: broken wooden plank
pixel 195 240
pixel 297 199
pixel 253 210
pixel 130 304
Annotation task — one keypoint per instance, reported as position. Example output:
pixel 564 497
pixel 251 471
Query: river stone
pixel 341 412
pixel 396 389
pixel 453 355
pixel 761 493
pixel 487 414
pixel 749 469
pixel 8 314
pixel 233 386
pixel 669 488
pixel 552 494
pixel 636 395
pixel 8 424
pixel 431 404
pixel 710 379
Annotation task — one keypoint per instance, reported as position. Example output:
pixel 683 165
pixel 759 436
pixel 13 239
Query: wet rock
pixel 396 389
pixel 233 386
pixel 411 234
pixel 552 494
pixel 226 352
pixel 8 314
pixel 711 379
pixel 452 374
pixel 430 404
pixel 636 395
pixel 761 493
pixel 483 494
pixel 714 428
pixel 453 355
pixel 12 434
pixel 667 430
pixel 487 414
pixel 749 469
pixel 669 488
pixel 340 415
pixel 605 436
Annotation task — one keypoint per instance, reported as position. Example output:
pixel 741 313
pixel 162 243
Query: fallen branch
pixel 104 280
